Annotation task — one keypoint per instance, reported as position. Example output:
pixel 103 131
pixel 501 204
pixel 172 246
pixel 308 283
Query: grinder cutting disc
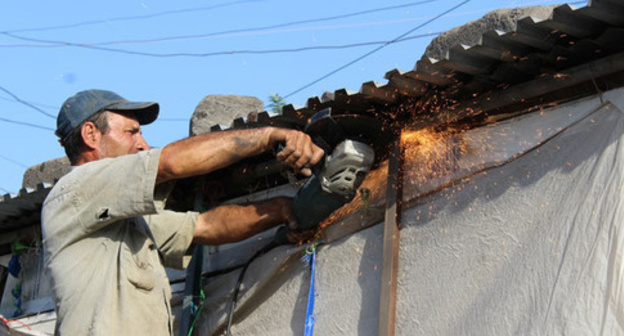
pixel 328 130
pixel 368 130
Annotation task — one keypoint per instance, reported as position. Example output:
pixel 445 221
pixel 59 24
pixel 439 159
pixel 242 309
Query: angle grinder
pixel 335 179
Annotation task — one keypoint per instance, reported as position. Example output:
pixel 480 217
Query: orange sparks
pixel 430 154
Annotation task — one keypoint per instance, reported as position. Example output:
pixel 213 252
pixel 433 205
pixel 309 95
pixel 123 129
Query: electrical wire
pixel 7 191
pixel 100 46
pixel 275 26
pixel 36 104
pixel 7 323
pixel 52 43
pixel 233 52
pixel 165 13
pixel 18 99
pixel 377 49
pixel 245 30
pixel 26 124
pixel 13 161
pixel 239 282
pixel 130 18
pixel 271 245
pixel 214 34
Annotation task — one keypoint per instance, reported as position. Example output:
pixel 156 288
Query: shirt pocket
pixel 137 262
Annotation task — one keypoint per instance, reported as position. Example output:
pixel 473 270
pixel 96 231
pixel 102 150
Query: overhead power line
pixel 130 18
pixel 275 26
pixel 6 191
pixel 13 161
pixel 266 51
pixel 18 99
pixel 36 104
pixel 101 45
pixel 26 124
pixel 52 43
pixel 377 49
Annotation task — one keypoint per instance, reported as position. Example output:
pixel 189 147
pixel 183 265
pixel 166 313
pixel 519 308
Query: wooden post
pixel 389 267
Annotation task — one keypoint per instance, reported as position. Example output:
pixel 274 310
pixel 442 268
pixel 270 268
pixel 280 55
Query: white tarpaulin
pixel 518 233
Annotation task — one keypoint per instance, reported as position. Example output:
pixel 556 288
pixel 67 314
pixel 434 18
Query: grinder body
pixel 335 179
pixel 334 184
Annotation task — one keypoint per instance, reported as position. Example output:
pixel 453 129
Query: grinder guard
pixel 335 185
pixel 335 180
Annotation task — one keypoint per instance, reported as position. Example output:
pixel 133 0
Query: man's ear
pixel 90 135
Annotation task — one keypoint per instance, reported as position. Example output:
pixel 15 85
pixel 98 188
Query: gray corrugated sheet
pixel 23 209
pixel 534 49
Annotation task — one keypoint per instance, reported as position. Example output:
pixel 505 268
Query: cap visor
pixel 146 112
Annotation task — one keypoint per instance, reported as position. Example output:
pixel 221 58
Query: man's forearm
pixel 208 152
pixel 205 153
pixel 231 223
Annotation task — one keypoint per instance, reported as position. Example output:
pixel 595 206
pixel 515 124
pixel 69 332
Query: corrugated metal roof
pixel 23 209
pixel 534 49
pixel 573 53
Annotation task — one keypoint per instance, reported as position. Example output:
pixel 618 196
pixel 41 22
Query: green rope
pixel 202 297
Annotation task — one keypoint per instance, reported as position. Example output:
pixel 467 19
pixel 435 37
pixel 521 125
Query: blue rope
pixel 309 321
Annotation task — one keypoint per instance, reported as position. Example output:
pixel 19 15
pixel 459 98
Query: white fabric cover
pixel 521 235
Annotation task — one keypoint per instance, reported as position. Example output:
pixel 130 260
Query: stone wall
pixel 222 110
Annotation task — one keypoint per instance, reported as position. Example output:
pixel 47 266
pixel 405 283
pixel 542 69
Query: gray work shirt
pixel 106 241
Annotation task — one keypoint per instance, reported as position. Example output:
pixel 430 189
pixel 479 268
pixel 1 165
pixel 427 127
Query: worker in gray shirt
pixel 108 238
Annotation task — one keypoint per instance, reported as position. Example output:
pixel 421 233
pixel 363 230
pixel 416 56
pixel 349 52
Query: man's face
pixel 123 136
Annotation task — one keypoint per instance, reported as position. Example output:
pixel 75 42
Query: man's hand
pixel 294 236
pixel 235 222
pixel 299 151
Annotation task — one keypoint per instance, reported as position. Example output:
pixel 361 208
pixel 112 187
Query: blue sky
pixel 177 52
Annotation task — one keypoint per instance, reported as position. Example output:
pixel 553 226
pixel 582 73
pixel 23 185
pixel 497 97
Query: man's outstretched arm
pixel 232 223
pixel 205 153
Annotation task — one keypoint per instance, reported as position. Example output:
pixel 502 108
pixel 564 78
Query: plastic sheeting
pixel 519 234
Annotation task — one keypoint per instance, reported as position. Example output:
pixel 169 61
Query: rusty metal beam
pixel 390 257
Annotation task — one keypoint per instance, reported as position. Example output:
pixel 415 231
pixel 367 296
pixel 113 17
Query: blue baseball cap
pixel 79 107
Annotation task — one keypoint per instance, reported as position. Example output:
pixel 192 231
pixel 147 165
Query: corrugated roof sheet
pixel 23 209
pixel 533 49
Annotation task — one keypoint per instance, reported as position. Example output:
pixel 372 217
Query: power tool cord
pixel 239 282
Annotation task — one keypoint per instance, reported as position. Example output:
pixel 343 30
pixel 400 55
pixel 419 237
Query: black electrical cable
pixel 226 52
pixel 18 99
pixel 279 25
pixel 13 161
pixel 274 243
pixel 6 190
pixel 39 104
pixel 130 18
pixel 231 31
pixel 26 124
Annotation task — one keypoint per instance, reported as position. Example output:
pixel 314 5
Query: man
pixel 106 234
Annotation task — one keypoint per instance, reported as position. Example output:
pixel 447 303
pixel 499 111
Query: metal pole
pixel 387 300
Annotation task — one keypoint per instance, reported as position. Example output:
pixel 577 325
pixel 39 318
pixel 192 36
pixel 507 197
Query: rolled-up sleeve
pixel 173 233
pixel 108 190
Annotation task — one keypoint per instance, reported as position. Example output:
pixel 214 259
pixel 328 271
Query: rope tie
pixel 310 259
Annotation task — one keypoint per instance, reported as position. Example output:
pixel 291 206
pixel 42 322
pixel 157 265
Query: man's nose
pixel 142 144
